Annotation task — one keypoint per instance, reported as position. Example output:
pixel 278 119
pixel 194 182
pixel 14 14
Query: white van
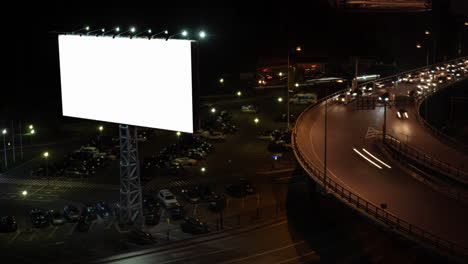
pixel 304 98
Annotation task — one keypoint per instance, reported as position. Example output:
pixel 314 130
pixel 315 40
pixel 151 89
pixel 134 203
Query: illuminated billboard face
pixel 135 81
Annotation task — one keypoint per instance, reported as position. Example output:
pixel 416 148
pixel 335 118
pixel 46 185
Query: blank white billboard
pixel 135 81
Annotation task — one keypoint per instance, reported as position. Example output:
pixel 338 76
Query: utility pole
pixel 21 140
pixel 13 140
pixel 325 143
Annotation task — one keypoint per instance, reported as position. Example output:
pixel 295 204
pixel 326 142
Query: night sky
pixel 237 37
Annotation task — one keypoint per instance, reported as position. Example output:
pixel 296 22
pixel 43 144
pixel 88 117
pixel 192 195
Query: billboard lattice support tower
pixel 131 211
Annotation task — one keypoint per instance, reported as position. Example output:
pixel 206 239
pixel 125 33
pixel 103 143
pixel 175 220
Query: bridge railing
pixel 368 208
pixel 428 161
pixel 436 132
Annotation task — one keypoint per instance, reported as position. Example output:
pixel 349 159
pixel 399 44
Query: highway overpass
pixel 362 173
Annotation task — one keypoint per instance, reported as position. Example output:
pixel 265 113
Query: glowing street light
pixel 280 74
pixel 132 29
pixel 418 46
pixel 101 128
pixel 280 99
pixel 256 120
pixel 31 126
pixel 178 133
pixel 202 34
pixel 213 110
pixel 239 93
pixel 87 28
pixel 296 84
pixel 221 80
pixel 203 169
pixel 4 132
pixel 184 33
pixel 46 154
pixel 427 32
pixel 117 29
pixel 298 48
pixel 24 193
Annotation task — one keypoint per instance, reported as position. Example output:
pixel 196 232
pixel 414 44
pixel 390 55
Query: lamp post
pixel 325 142
pixel 298 49
pixel 100 128
pixel 46 156
pixel 4 132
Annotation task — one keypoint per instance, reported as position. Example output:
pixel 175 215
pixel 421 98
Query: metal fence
pixel 426 160
pixel 371 210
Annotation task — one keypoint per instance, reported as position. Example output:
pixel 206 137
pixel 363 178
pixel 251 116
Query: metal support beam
pixel 131 211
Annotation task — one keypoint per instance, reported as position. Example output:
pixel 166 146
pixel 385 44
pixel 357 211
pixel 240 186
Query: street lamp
pixel 178 133
pixel 203 169
pixel 280 99
pixel 184 33
pixel 297 49
pixel 239 93
pixel 202 34
pixel 221 80
pixel 24 193
pixel 4 132
pixel 213 110
pixel 419 46
pixel 427 32
pixel 165 32
pixel 256 120
pixel 31 127
pixel 46 156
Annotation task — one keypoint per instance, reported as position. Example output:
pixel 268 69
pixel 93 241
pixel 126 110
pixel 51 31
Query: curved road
pixel 405 196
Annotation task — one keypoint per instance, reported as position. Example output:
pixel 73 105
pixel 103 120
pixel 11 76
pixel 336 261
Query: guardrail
pixel 443 167
pixel 432 181
pixel 436 132
pixel 371 210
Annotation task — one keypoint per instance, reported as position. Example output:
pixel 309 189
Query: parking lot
pixel 250 159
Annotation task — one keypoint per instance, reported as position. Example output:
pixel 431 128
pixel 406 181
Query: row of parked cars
pixel 69 214
pixel 175 158
pixel 83 162
pixel 279 140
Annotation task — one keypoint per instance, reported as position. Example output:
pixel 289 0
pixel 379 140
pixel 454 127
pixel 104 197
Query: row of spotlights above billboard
pixel 118 31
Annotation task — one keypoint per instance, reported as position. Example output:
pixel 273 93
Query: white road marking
pixel 52 232
pixel 18 232
pixel 362 155
pixel 385 164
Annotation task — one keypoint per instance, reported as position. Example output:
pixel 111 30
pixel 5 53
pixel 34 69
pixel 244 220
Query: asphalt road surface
pixel 406 197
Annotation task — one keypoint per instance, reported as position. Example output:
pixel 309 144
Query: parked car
pixel 176 212
pixel 186 161
pixel 8 224
pixel 265 135
pixel 149 203
pixel 194 226
pixel 217 203
pixel 103 210
pixel 89 211
pixel 71 213
pixel 38 218
pixel 140 237
pixel 167 198
pixel 55 217
pixel 249 109
pixel 192 195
